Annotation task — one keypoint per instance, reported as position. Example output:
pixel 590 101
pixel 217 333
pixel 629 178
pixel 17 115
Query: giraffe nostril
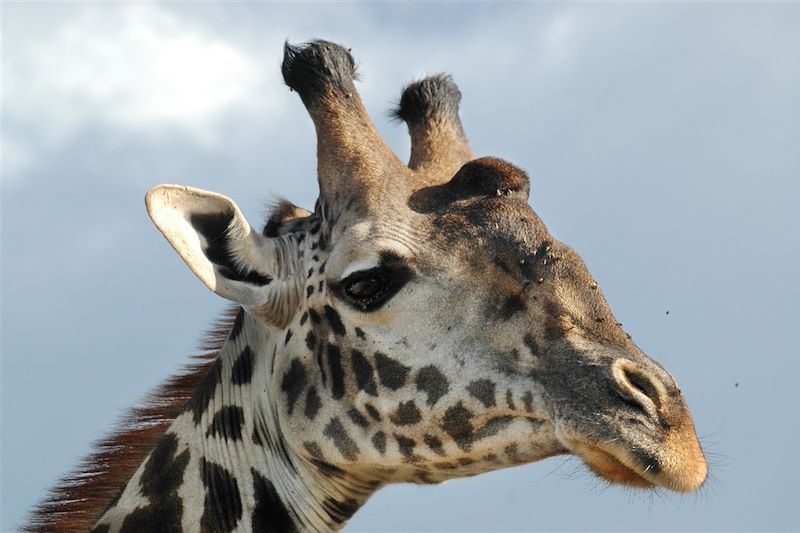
pixel 637 386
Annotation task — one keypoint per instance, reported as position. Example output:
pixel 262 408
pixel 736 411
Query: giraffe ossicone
pixel 422 324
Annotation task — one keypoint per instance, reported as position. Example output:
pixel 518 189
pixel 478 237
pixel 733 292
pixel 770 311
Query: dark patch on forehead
pixel 432 382
pixel 313 403
pixel 205 392
pixel 379 442
pixel 269 513
pixel 407 414
pixel 502 265
pixel 509 232
pixel 511 306
pixel 484 391
pixel 337 372
pixel 242 371
pixel 227 423
pixel 346 445
pixel 222 508
pixel 391 373
pixel 294 381
pixel 365 375
pixel 340 511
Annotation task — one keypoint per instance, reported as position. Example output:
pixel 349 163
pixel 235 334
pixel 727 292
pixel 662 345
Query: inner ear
pixel 214 227
pixel 480 178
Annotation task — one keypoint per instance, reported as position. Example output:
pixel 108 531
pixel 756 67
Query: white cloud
pixel 135 67
pixel 156 71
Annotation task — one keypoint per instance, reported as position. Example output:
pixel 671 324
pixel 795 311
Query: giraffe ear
pixel 214 239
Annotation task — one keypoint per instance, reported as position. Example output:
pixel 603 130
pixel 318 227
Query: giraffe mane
pixel 80 497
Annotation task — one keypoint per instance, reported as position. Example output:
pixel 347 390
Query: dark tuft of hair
pixel 316 67
pixel 283 211
pixel 428 97
pixel 79 499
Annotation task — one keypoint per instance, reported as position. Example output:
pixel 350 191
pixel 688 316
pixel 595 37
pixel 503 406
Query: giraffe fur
pixel 421 324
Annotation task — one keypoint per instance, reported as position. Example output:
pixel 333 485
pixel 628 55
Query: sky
pixel 662 141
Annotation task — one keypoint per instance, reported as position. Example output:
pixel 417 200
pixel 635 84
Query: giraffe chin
pixel 609 467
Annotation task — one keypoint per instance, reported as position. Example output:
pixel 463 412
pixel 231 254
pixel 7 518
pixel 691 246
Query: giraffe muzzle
pixel 656 446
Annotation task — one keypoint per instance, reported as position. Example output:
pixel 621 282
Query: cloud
pixel 159 73
pixel 137 68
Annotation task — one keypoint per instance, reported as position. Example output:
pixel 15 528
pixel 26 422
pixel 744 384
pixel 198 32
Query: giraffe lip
pixel 616 468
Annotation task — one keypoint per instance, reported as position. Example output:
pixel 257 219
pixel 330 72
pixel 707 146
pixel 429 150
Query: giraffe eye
pixel 365 288
pixel 368 290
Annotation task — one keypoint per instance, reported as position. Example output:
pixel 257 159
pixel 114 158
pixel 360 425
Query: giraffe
pixel 422 324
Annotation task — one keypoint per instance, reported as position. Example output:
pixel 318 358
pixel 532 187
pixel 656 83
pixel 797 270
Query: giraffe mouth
pixel 616 468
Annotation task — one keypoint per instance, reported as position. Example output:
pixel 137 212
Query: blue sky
pixel 662 140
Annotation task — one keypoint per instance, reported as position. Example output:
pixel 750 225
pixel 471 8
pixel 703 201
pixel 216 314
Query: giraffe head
pixel 423 324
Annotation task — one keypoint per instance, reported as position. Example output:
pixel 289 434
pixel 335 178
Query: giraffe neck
pixel 224 465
